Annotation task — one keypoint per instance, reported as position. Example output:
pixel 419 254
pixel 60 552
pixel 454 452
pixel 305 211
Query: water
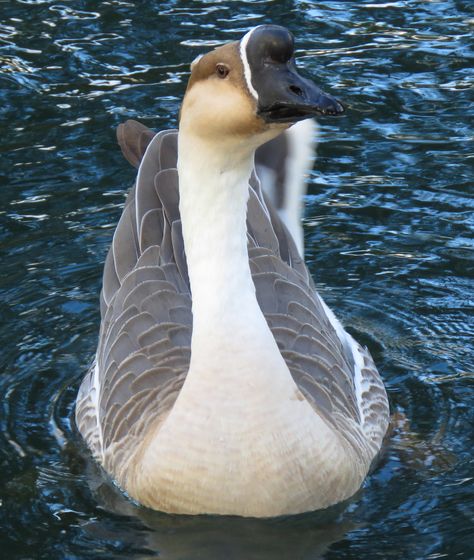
pixel 389 240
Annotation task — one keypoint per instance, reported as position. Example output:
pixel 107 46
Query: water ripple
pixel 388 226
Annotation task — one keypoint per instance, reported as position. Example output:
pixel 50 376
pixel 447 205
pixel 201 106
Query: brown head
pixel 251 90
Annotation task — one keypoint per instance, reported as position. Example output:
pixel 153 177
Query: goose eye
pixel 222 71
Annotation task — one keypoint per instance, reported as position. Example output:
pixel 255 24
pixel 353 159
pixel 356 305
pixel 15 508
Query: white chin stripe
pixel 196 60
pixel 243 56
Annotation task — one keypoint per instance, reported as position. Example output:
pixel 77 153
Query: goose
pixel 222 383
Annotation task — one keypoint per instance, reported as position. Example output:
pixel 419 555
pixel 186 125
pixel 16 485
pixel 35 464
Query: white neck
pixel 213 205
pixel 229 329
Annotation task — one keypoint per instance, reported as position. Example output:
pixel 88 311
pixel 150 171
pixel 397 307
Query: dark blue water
pixel 389 223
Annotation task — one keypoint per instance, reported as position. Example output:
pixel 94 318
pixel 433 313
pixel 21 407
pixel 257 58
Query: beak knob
pixel 282 94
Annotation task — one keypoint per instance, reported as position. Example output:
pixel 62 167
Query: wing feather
pixel 145 340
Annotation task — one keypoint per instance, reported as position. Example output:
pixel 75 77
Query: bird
pixel 222 383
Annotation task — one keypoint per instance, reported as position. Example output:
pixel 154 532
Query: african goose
pixel 222 383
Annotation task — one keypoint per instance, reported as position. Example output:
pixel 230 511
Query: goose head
pixel 250 90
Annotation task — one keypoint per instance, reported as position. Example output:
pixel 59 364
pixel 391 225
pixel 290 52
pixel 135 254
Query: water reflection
pixel 209 537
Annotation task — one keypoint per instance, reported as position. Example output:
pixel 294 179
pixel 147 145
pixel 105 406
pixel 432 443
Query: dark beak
pixel 284 96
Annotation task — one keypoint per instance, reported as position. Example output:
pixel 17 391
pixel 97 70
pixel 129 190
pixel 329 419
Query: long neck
pixel 213 204
pixel 228 324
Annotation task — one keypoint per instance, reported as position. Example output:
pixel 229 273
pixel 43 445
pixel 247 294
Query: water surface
pixel 388 227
